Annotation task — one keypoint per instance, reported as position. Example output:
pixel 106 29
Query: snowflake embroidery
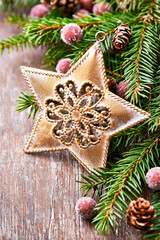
pixel 76 115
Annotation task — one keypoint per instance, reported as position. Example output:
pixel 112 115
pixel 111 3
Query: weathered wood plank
pixel 38 192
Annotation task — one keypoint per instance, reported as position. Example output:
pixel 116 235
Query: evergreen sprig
pixel 141 58
pixel 124 183
pixel 18 20
pixel 140 68
pixel 46 31
pixel 14 42
pixel 146 129
pixel 95 182
pixel 154 232
pixel 11 4
pixel 128 6
pixel 26 100
pixel 154 104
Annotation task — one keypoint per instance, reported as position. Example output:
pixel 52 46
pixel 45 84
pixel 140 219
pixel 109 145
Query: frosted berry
pixel 63 65
pixel 85 207
pixel 39 11
pixel 121 89
pixel 71 33
pixel 153 178
pixel 87 4
pixel 100 8
pixel 79 14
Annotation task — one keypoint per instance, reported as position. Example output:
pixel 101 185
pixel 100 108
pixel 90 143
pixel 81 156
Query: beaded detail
pixel 76 115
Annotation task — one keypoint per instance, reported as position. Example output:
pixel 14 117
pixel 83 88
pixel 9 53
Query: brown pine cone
pixel 121 37
pixel 139 214
pixel 65 5
pixel 111 83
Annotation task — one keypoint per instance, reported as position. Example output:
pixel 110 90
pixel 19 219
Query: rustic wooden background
pixel 38 192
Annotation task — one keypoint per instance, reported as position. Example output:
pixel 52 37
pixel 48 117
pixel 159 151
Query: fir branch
pixel 146 21
pixel 54 53
pixel 128 138
pixel 126 5
pixel 45 28
pixel 139 69
pixel 96 181
pixel 18 20
pixel 107 24
pixel 126 176
pixel 138 60
pixel 124 182
pixel 14 42
pixel 46 31
pixel 82 53
pixel 115 74
pixel 154 105
pixel 154 232
pixel 146 129
pixel 27 101
pixel 11 4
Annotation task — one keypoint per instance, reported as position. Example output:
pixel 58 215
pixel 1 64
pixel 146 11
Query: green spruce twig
pixel 11 4
pixel 141 60
pixel 154 232
pixel 26 100
pixel 14 42
pixel 18 20
pixel 125 183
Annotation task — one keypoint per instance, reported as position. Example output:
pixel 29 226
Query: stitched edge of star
pixel 103 161
pixel 57 75
pixel 124 102
pixel 31 136
pixel 35 150
pixel 24 70
pixel 97 48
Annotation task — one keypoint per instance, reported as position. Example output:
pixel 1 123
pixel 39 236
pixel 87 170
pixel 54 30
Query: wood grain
pixel 38 192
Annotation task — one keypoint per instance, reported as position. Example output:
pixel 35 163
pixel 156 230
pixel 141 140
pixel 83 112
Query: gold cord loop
pixel 102 38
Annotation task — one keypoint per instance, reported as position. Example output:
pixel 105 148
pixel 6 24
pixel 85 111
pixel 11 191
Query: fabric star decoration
pixel 78 113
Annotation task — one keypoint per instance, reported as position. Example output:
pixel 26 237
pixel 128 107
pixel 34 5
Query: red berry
pixel 79 14
pixel 121 89
pixel 87 4
pixel 71 33
pixel 63 65
pixel 100 8
pixel 39 11
pixel 85 207
pixel 153 178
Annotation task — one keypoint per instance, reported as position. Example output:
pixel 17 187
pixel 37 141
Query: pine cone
pixel 139 214
pixel 121 37
pixel 111 82
pixel 65 5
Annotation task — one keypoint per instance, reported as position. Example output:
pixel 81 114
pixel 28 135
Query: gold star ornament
pixel 77 111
